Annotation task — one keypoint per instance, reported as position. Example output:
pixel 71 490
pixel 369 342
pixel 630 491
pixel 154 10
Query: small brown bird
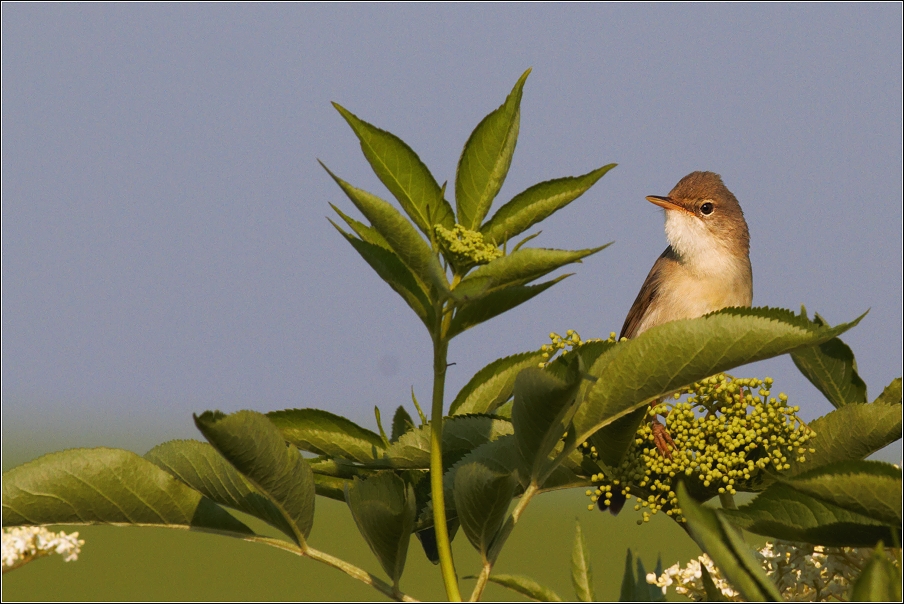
pixel 706 266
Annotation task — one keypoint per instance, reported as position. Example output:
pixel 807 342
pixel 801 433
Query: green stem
pixel 349 569
pixel 443 543
pixel 500 539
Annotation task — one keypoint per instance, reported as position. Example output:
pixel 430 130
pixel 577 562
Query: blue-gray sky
pixel 165 248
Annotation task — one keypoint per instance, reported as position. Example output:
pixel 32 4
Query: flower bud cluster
pixel 726 432
pixel 571 340
pixel 464 248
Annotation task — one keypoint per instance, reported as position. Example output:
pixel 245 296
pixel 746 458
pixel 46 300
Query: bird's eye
pixel 706 208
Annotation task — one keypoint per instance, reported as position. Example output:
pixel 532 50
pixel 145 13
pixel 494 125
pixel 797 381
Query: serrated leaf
pixel 253 445
pixel 537 203
pixel 401 423
pixel 831 367
pixel 108 486
pixel 784 513
pixel 870 488
pixel 326 433
pixel 665 358
pixel 486 307
pixel 461 435
pixel 727 549
pixel 401 236
pixel 383 508
pixel 492 385
pixel 486 158
pixel 202 468
pixel 880 580
pixel 393 271
pixel 483 490
pixel 518 268
pixel 891 395
pixel 404 174
pixel 543 408
pixel 498 454
pixel 581 570
pixel 849 433
pixel 526 587
pixel 427 537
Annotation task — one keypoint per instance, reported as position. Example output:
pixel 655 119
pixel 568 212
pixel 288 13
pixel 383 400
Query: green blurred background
pixel 162 564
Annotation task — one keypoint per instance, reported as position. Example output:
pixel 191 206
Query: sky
pixel 165 248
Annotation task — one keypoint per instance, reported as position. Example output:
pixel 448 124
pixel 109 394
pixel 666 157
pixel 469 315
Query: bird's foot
pixel 662 439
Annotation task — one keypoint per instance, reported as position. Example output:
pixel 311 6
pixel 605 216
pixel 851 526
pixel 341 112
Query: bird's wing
pixel 647 295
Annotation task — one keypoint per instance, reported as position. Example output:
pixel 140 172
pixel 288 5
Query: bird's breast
pixel 686 295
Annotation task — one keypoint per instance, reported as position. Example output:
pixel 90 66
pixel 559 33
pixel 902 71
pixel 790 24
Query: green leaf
pixel 253 445
pixel 403 173
pixel 332 474
pixel 483 490
pixel 383 508
pixel 331 486
pixel 871 488
pixel 526 587
pixel 636 589
pixel 713 593
pixel 892 393
pixel 537 203
pixel 393 271
pixel 589 352
pixel 831 367
pixel 629 583
pixel 485 308
pixel 581 570
pixel 199 466
pixel 665 358
pixel 880 580
pixel 727 549
pixel 401 236
pixel 784 513
pixel 108 486
pixel 849 433
pixel 613 440
pixel 486 158
pixel 517 268
pixel 326 433
pixel 461 435
pixel 492 385
pixel 541 413
pixel 363 231
pixel 401 423
pixel 499 455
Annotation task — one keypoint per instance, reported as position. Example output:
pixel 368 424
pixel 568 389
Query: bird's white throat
pixel 701 249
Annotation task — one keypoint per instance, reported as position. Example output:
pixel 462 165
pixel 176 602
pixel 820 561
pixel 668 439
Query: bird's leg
pixel 661 437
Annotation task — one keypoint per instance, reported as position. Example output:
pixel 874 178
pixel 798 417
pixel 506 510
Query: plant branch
pixel 500 539
pixel 443 543
pixel 349 569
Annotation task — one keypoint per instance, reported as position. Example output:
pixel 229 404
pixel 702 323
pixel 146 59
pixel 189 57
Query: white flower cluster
pixel 24 544
pixel 688 581
pixel 802 572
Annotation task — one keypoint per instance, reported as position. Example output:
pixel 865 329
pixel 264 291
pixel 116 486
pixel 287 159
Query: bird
pixel 705 268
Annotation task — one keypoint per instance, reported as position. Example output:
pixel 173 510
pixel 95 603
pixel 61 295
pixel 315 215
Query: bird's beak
pixel 668 203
